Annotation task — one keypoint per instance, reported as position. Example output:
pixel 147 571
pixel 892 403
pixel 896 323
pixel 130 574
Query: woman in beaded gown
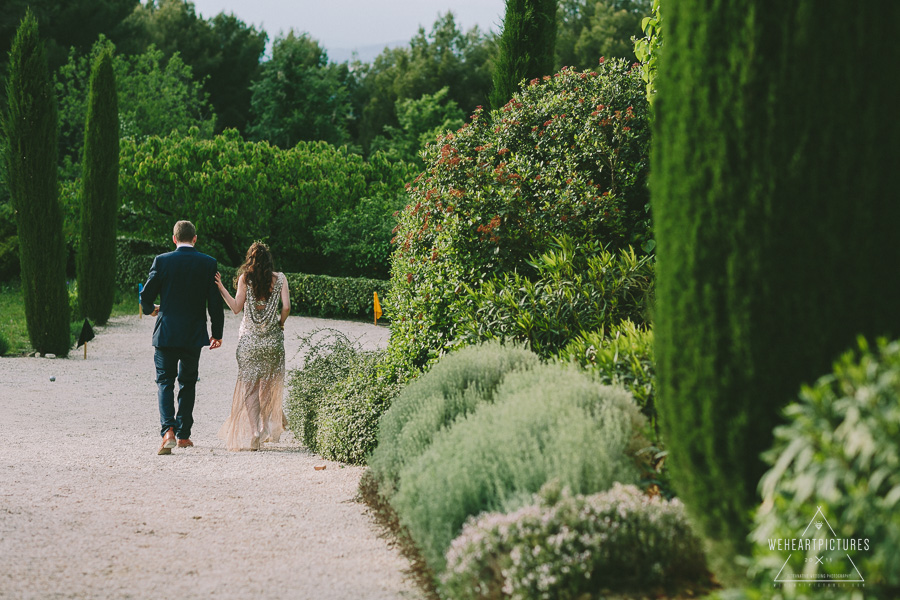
pixel 256 409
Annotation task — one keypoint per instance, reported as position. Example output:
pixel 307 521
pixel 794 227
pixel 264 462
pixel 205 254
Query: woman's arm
pixel 236 304
pixel 285 300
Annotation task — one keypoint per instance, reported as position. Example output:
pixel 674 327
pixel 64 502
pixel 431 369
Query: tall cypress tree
pixel 96 260
pixel 30 126
pixel 527 46
pixel 776 214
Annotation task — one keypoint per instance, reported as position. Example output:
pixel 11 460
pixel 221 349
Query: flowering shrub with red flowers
pixel 568 155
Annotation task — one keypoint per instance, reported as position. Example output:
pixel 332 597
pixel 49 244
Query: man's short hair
pixel 184 231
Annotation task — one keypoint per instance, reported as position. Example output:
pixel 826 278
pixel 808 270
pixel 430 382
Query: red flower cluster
pixel 487 231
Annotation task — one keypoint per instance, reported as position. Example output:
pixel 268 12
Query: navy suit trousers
pixel 182 363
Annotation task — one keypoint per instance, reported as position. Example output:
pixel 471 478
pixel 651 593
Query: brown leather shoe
pixel 185 443
pixel 168 442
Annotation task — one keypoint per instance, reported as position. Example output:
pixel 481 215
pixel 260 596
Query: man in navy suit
pixel 185 282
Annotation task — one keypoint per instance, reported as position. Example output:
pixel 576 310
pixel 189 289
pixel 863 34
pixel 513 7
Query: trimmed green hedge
pixel 326 296
pixel 311 295
pixel 133 260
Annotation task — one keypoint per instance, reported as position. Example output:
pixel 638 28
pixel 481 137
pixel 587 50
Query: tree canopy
pixel 57 20
pixel 156 96
pixel 589 29
pixel 223 52
pixel 421 121
pixel 444 57
pixel 300 96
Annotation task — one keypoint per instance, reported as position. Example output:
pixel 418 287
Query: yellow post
pixel 85 351
pixel 377 308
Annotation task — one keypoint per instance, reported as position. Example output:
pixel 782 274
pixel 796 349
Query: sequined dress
pixel 257 414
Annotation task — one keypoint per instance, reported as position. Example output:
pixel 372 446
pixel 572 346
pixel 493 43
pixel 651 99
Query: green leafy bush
pixel 568 155
pixel 839 452
pixel 349 413
pixel 74 305
pixel 565 547
pixel 336 399
pixel 450 390
pixel 624 358
pixel 548 422
pixel 4 345
pixel 330 356
pixel 12 319
pixel 648 49
pixel 576 288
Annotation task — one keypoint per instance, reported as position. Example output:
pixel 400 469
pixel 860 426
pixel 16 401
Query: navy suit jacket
pixel 185 282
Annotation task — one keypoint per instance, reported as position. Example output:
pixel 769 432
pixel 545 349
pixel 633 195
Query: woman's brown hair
pixel 258 268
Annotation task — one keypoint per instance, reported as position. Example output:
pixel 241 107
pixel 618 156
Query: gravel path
pixel 88 510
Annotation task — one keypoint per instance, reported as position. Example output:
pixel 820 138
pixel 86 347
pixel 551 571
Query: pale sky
pixel 352 24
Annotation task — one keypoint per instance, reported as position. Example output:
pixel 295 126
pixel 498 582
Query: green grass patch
pixel 126 304
pixel 14 331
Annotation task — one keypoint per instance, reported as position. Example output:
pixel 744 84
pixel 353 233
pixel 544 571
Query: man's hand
pixel 214 343
pixel 155 310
